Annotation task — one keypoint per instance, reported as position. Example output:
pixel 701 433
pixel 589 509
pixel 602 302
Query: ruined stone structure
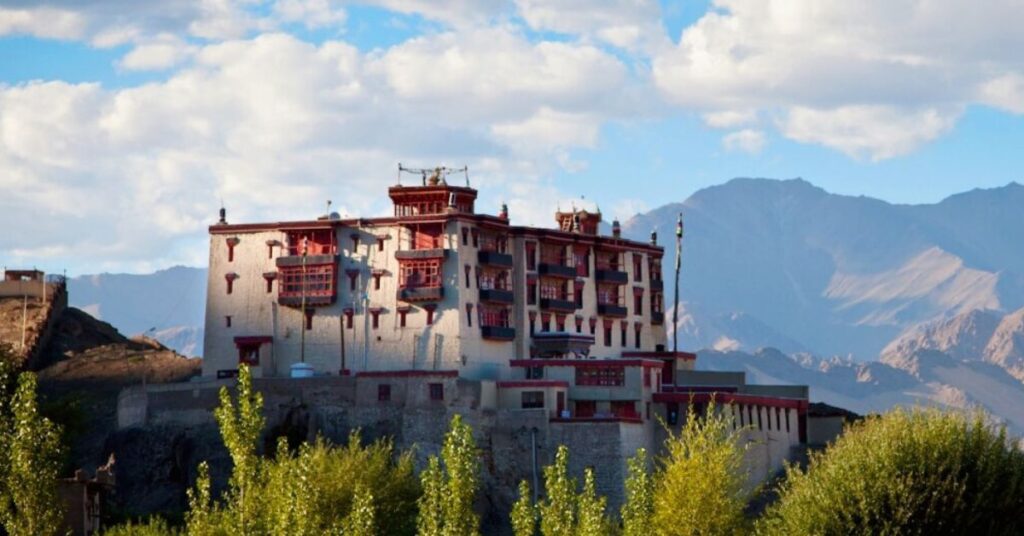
pixel 539 337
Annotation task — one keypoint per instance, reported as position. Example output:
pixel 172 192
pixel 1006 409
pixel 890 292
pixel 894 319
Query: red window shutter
pixel 429 308
pixel 309 318
pixel 349 312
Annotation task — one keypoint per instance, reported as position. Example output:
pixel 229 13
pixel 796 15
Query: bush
pixel 921 471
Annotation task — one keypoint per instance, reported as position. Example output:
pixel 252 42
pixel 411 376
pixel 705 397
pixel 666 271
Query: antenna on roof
pixel 328 207
pixel 465 170
pixel 399 173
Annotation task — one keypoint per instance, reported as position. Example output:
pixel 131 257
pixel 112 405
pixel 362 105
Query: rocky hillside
pixel 834 274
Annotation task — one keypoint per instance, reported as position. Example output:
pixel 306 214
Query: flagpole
pixel 675 309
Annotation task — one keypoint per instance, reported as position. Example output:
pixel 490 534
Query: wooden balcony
pixel 494 295
pixel 311 260
pixel 657 285
pixel 421 294
pixel 657 318
pixel 611 309
pixel 556 270
pixel 413 254
pixel 611 276
pixel 498 333
pixel 494 258
pixel 558 306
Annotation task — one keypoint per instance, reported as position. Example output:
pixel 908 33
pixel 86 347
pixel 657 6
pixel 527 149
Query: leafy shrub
pixel 920 471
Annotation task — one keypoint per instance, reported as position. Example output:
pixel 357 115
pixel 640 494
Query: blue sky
pixel 125 124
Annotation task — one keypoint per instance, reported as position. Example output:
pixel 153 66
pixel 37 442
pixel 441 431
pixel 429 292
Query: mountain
pixel 926 377
pixel 835 274
pixel 167 305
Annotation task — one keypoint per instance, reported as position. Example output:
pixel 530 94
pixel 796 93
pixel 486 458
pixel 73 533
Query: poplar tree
pixel 558 509
pixel 638 509
pixel 524 514
pixel 591 520
pixel 240 428
pixel 31 449
pixel 360 520
pixel 450 488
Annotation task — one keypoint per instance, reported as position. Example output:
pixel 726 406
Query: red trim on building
pixel 688 356
pixel 407 374
pixel 732 398
pixel 631 420
pixel 585 363
pixel 254 339
pixel 509 384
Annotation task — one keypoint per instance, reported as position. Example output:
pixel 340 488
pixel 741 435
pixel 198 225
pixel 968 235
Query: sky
pixel 125 125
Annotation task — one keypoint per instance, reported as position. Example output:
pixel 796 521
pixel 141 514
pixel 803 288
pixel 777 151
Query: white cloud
pixel 160 54
pixel 628 24
pixel 311 13
pixel 874 132
pixel 730 118
pixel 43 22
pixel 274 126
pixel 746 140
pixel 1006 92
pixel 880 61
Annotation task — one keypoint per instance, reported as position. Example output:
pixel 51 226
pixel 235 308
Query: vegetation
pixel 700 486
pixel 450 486
pixel 920 471
pixel 564 512
pixel 29 458
pixel 638 509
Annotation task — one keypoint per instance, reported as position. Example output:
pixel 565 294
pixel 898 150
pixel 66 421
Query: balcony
pixel 498 333
pixel 413 254
pixel 657 318
pixel 311 260
pixel 657 285
pixel 611 276
pixel 493 258
pixel 611 309
pixel 558 306
pixel 556 270
pixel 421 294
pixel 494 295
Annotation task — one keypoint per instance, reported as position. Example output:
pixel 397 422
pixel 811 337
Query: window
pixel 376 281
pixel 622 333
pixel 249 354
pixel 531 255
pixel 436 391
pixel 375 318
pixel 231 249
pixel 476 238
pixel 352 275
pixel 270 284
pixel 535 373
pixel 401 317
pixel 384 392
pixel 560 322
pixel 586 408
pixel 533 399
pixel 593 325
pixel 468 283
pixel 469 314
pixel 465 236
pixel 600 376
pixel 231 282
pixel 647 407
pixel 637 330
pixel 309 318
pixel 607 335
pixel 533 324
pixel 348 318
pixel 380 243
pixel 638 266
pixel 624 408
pixel 579 324
pixel 578 291
pixel 227 321
pixel 270 251
pixel 581 259
pixel 531 293
pixel 545 321
pixel 420 274
pixel 638 300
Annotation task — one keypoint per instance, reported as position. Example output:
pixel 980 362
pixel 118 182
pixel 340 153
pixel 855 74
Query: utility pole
pixel 24 316
pixel 679 263
pixel 302 328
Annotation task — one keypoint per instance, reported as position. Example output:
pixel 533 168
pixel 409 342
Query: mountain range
pixel 870 303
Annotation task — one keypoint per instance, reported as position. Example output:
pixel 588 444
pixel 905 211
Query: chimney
pixel 654 238
pixel 223 216
pixel 616 229
pixel 504 212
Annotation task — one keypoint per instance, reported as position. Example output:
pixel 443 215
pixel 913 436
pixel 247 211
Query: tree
pixel 30 446
pixel 700 487
pixel 360 520
pixel 240 428
pixel 564 512
pixel 524 514
pixel 450 488
pixel 918 471
pixel 638 510
pixel 591 520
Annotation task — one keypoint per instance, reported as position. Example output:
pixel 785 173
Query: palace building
pixel 412 306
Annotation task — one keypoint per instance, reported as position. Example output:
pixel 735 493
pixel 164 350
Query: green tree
pixel 30 449
pixel 591 519
pixel 700 487
pixel 240 428
pixel 449 489
pixel 638 509
pixel 360 520
pixel 558 509
pixel 524 514
pixel 919 471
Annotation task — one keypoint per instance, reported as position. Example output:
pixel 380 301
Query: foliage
pixel 700 487
pixel 524 515
pixel 450 485
pixel 240 428
pixel 563 512
pixel 638 510
pixel 920 471
pixel 318 489
pixel 30 451
pixel 153 527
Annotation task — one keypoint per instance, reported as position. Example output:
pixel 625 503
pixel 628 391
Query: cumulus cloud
pixel 874 67
pixel 274 126
pixel 746 140
pixel 42 22
pixel 628 24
